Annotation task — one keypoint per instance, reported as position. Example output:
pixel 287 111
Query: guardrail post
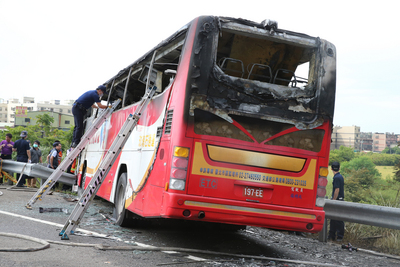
pixel 323 235
pixel 9 182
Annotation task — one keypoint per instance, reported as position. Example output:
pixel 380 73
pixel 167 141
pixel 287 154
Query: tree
pixel 360 175
pixel 391 150
pixel 342 154
pixel 35 133
pixel 45 121
pixel 397 172
pixel 383 159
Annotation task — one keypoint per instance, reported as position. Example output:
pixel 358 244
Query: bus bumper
pixel 181 206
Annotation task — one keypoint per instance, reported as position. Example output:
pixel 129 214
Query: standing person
pixel 21 146
pixel 6 148
pixel 36 157
pixel 337 227
pixel 53 156
pixel 80 107
pixel 60 153
pixel 51 151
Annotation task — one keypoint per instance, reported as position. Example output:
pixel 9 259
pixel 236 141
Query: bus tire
pixel 120 214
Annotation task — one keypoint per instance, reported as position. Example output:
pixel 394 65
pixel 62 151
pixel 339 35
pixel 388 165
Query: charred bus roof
pixel 243 67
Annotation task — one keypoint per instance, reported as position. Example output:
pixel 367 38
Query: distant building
pixel 351 136
pixel 3 125
pixel 61 121
pixel 379 142
pixel 366 142
pixel 348 136
pixel 9 107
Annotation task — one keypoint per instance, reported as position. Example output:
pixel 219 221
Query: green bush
pixel 383 159
pixel 360 176
pixel 341 155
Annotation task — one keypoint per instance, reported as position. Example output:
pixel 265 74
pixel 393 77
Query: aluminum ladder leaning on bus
pixel 105 166
pixel 45 188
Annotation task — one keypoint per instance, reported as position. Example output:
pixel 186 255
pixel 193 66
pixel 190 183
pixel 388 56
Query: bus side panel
pixel 158 174
pixel 140 152
pixel 99 146
pixel 141 141
pixel 135 201
pixel 148 201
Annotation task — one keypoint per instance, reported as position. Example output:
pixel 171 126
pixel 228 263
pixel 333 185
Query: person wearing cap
pixel 21 146
pixel 337 227
pixel 79 108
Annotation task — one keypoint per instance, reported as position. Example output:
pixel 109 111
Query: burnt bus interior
pixel 252 58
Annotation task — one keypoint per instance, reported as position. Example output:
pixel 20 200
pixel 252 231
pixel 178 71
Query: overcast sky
pixel 60 49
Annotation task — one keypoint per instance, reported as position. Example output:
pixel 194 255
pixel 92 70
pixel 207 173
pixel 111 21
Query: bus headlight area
pixel 321 190
pixel 177 184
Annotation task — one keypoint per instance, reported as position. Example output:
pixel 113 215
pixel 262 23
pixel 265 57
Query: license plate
pixel 252 192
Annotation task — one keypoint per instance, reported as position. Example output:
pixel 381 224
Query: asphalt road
pixel 15 218
pixel 262 246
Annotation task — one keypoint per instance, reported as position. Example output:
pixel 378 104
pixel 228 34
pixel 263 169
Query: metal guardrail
pixel 374 215
pixel 36 170
pixel 363 213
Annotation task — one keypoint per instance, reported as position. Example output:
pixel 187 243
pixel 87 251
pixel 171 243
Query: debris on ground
pixel 41 210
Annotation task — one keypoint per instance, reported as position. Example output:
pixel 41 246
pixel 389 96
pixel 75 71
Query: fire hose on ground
pixel 46 244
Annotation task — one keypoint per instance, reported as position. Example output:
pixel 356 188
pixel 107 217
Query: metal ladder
pixel 43 190
pixel 105 166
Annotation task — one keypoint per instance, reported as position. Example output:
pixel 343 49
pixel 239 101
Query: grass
pixel 387 172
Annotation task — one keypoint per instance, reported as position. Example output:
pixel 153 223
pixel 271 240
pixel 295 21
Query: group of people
pixel 33 154
pixel 28 154
pixel 24 154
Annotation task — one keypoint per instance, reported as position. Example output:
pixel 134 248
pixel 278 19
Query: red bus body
pixel 219 146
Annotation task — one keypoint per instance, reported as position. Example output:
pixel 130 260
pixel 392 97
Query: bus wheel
pixel 120 214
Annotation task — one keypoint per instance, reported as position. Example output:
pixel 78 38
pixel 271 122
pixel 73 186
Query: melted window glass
pixel 306 139
pixel 206 123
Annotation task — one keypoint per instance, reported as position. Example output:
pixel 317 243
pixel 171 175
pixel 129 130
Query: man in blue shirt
pixel 79 108
pixel 337 227
pixel 23 155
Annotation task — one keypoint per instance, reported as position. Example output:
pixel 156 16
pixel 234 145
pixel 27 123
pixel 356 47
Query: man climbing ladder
pixel 105 166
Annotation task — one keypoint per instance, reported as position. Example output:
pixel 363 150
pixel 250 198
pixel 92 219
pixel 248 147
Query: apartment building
pixel 348 136
pixel 366 141
pixel 3 112
pixel 8 108
pixel 351 136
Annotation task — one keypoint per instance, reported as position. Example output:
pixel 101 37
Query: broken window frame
pixel 120 86
pixel 282 38
pixel 286 104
